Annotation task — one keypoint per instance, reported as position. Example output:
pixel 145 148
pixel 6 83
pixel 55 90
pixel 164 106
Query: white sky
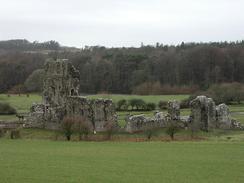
pixel 116 23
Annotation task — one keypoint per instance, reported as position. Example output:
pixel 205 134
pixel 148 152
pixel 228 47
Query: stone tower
pixel 60 82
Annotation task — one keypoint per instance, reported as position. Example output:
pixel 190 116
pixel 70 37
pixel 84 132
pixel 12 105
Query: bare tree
pixel 82 127
pixel 68 126
pixel 172 128
pixel 110 129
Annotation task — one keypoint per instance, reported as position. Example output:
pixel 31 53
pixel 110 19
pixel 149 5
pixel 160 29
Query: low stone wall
pixel 98 112
pixel 136 123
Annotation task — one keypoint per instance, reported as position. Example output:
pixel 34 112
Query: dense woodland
pixel 158 69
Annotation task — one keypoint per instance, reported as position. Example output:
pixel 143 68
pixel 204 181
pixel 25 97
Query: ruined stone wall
pixel 136 123
pixel 204 116
pixel 98 112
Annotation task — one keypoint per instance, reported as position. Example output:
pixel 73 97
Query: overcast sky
pixel 116 23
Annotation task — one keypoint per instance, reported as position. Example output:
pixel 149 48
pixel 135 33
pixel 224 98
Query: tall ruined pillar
pixel 203 113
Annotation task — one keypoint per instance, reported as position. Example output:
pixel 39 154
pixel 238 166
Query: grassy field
pixel 39 157
pixel 33 161
pixel 21 103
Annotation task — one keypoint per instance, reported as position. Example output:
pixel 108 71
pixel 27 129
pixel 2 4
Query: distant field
pixel 147 98
pixel 28 161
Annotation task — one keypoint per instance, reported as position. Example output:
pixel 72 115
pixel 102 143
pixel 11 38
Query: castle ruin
pixel 61 98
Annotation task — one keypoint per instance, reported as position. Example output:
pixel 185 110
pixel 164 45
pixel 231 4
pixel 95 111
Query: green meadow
pixel 28 161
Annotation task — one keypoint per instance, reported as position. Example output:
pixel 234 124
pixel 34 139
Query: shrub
pixel 226 93
pixel 82 127
pixel 139 104
pixel 156 88
pixel 151 106
pixel 162 104
pixel 68 126
pixel 5 108
pixel 110 129
pixel 171 129
pixel 17 89
pixel 1 132
pixel 149 132
pixel 15 134
pixel 185 104
pixel 122 105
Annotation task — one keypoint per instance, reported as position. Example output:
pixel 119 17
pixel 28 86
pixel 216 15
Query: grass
pixel 21 103
pixel 157 135
pixel 237 107
pixel 239 117
pixel 33 161
pixel 8 117
pixel 37 157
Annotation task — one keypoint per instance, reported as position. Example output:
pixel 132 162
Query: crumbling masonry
pixel 204 116
pixel 61 98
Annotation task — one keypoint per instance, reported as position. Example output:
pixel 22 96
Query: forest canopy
pixel 157 69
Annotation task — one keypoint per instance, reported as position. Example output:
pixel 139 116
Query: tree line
pixel 159 69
